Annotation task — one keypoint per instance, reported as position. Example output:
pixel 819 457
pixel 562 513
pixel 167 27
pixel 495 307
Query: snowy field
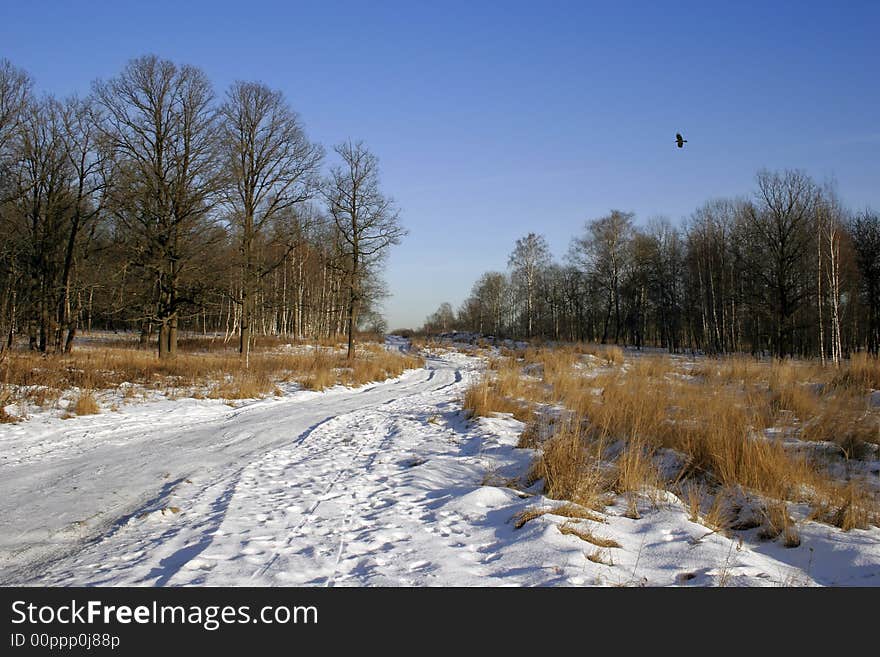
pixel 384 485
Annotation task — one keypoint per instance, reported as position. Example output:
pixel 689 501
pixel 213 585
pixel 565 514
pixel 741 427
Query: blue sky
pixel 494 119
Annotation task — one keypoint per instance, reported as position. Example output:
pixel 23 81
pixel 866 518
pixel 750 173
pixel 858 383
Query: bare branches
pixel 15 90
pixel 366 221
pixel 160 124
pixel 271 168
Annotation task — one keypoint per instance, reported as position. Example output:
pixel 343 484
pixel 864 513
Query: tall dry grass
pixel 86 404
pixel 625 414
pixel 41 379
pixel 483 398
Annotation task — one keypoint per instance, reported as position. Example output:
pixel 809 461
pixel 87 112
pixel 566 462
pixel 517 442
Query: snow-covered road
pixel 79 486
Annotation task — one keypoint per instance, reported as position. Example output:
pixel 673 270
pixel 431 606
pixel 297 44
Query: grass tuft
pixel 86 404
pixel 588 536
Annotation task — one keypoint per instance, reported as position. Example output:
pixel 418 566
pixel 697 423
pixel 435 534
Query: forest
pixel 788 270
pixel 157 205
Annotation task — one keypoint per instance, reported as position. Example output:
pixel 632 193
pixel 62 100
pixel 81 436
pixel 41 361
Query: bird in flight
pixel 681 141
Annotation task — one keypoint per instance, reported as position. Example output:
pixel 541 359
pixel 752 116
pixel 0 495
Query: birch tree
pixel 829 220
pixel 530 257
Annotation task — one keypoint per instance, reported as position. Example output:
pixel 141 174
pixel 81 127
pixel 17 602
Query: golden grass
pixel 86 404
pixel 319 379
pixel 5 396
pixel 621 416
pixel 848 506
pixel 565 510
pixel 586 535
pixel 729 369
pixel 636 470
pixel 243 385
pixel 483 398
pixel 846 420
pixel 576 511
pixel 530 438
pixel 651 366
pixel 861 372
pixel 528 514
pixel 599 556
pixel 570 472
pixel 41 379
pixel 611 354
pixel 5 400
pixel 778 522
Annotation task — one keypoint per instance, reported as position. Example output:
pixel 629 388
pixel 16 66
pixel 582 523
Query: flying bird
pixel 681 141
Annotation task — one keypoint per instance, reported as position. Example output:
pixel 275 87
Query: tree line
pixel 153 204
pixel 785 271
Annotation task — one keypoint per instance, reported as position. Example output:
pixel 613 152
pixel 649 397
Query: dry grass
pixel 778 522
pixel 848 421
pixel 564 510
pixel 528 514
pixel 655 367
pixel 622 416
pixel 571 472
pixel 588 536
pixel 319 379
pixel 86 404
pixel 729 369
pixel 532 434
pixel 636 470
pixel 41 380
pixel 848 506
pixel 601 557
pixel 484 398
pixel 861 372
pixel 613 355
pixel 575 511
pixel 5 400
pixel 788 394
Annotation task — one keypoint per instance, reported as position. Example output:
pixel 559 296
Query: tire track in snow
pixel 368 468
pixel 245 434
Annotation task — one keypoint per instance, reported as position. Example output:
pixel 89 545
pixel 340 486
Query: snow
pixel 387 484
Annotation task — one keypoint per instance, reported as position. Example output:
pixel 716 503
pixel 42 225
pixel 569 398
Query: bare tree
pixel 159 120
pixel 601 252
pixel 530 257
pixel 712 270
pixel 865 230
pixel 780 223
pixel 89 179
pixel 441 320
pixel 366 221
pixel 272 168
pixel 41 209
pixel 15 89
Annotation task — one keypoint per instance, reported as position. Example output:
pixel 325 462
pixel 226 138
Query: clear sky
pixel 494 119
